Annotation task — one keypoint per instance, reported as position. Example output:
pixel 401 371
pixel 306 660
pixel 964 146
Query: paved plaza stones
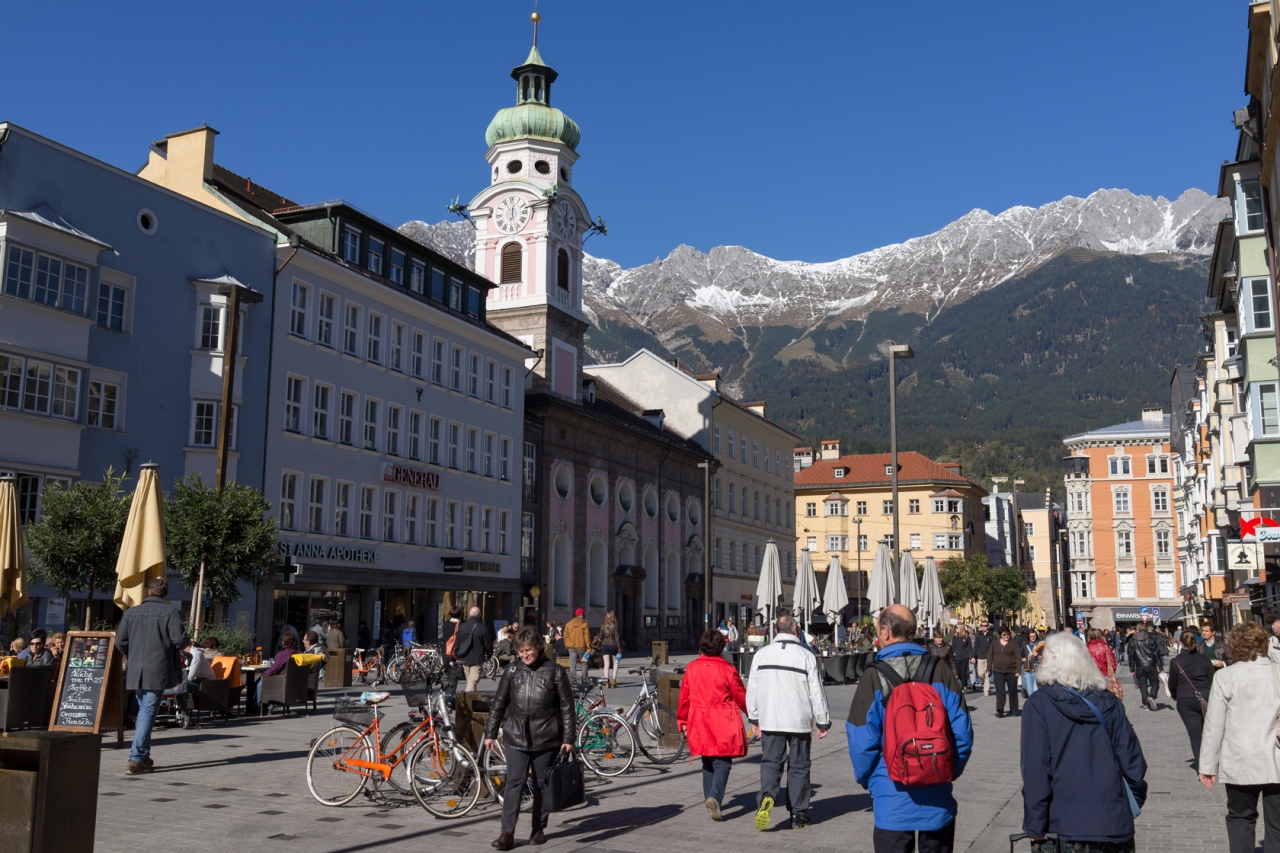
pixel 242 787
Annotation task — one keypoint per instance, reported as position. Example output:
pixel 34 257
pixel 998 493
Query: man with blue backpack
pixel 909 737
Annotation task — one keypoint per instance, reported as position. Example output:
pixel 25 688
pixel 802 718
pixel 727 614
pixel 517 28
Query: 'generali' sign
pixel 406 476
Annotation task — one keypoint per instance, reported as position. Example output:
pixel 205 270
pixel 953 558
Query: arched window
pixel 597 574
pixel 562 571
pixel 650 579
pixel 562 269
pixel 538 83
pixel 673 581
pixel 524 87
pixel 512 271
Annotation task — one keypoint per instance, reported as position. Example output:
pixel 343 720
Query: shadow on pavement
pixel 618 822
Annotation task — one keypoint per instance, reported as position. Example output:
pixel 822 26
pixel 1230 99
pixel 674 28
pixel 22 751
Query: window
pixel 1122 501
pixel 368 494
pixel 57 283
pixel 469 527
pixel 35 396
pixel 1160 500
pixel 474 376
pixel 1124 543
pixel 837 508
pixel 346 416
pixel 418 277
pixel 1082 585
pixel 315 505
pixel 1164 585
pixel 451 525
pixel 940 541
pixel 947 541
pixel 862 507
pixel 812 543
pixel 298 311
pixel 755 454
pixel 210 327
pixel 1267 422
pixel 473 447
pixel 489 440
pixel 455 433
pixel 732 498
pixel 768 464
pixel 324 327
pixel 390 515
pixel 1232 342
pixel 371 424
pixel 715 440
pixel 320 412
pixel 777 464
pixel 886 507
pixel 1119 466
pixel 888 470
pixel 511 271
pixel 455 294
pixel 375 256
pixel 342 510
pixel 433 441
pixel 837 543
pixel 111 307
pixel 888 541
pixel 437 361
pixel 396 272
pixel 951 505
pixel 506 387
pixel 103 398
pixel 397 345
pixel 293 404
pixel 393 430
pixel 411 502
pixel 437 284
pixel 504 468
pixel 1164 545
pixel 862 542
pixel 1028 529
pixel 1079 500
pixel 491 383
pixel 811 510
pixel 486 524
pixel 374 342
pixel 530 472
pixel 742 446
pixel 916 540
pixel 415 359
pixel 288 500
pixel 913 506
pixel 504 518
pixel 526 542
pixel 204 424
pixel 1250 215
pixel 757 505
pixel 351 332
pixel 562 269
pixel 1157 464
pixel 433 518
pixel 66 393
pixel 456 370
pixel 1079 543
pixel 839 473
pixel 1257 310
pixel 1128 584
pixel 20 272
pixel 1031 553
pixel 415 436
pixel 732 445
pixel 351 245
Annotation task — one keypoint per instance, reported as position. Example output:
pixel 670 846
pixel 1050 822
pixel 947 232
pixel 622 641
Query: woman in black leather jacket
pixel 1190 680
pixel 535 698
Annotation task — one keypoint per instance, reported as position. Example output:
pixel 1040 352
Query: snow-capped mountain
pixel 737 287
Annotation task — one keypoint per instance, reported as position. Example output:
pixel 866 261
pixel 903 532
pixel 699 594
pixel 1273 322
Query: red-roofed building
pixel 844 506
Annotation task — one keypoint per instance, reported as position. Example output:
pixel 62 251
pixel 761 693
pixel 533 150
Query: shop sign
pixel 746 597
pixel 55 613
pixel 328 552
pixel 1235 597
pixel 459 564
pixel 1245 556
pixel 393 472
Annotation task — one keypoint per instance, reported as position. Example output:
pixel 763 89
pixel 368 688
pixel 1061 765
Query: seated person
pixel 57 644
pixel 503 648
pixel 197 670
pixel 315 646
pixel 37 634
pixel 18 647
pixel 35 653
pixel 278 665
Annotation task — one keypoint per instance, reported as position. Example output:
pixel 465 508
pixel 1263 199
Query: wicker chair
pixel 214 698
pixel 289 688
pixel 25 703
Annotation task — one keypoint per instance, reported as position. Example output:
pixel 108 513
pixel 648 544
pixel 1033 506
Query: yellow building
pixel 844 506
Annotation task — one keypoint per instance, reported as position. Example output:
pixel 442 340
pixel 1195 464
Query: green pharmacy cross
pixel 288 569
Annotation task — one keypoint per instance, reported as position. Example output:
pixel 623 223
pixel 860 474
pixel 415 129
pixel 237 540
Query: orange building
pixel 1121 527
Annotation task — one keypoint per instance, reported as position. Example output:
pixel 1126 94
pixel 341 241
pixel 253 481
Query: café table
pixel 250 676
pixel 742 660
pixel 835 667
pixel 858 663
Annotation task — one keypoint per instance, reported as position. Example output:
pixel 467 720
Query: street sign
pixel 1079 615
pixel 1155 611
pixel 1145 611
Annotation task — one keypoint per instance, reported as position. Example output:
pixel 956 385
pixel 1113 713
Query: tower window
pixel 562 270
pixel 537 81
pixel 542 167
pixel 513 166
pixel 511 263
pixel 524 87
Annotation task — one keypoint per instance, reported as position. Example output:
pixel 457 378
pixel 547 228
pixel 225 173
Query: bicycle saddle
pixel 371 698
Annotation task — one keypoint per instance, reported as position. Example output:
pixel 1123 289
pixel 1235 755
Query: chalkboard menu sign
pixel 88 697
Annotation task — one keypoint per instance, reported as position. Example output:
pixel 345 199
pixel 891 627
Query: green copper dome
pixel 534 120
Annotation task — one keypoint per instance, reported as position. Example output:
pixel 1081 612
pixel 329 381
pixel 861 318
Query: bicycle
pixel 605 741
pixel 368 668
pixel 420 662
pixel 656 725
pixel 441 774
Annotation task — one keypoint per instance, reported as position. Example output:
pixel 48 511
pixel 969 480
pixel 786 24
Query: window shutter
pixel 511 263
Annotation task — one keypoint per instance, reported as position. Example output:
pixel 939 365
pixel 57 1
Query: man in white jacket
pixel 785 701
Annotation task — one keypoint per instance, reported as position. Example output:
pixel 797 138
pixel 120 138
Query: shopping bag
pixel 563 785
pixel 1164 680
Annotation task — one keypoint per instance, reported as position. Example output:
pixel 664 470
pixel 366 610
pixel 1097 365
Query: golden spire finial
pixel 535 17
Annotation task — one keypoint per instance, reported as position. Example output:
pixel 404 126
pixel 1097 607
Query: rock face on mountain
pixel 732 287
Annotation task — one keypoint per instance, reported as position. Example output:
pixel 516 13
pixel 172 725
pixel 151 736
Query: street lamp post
pixel 896 351
pixel 857 546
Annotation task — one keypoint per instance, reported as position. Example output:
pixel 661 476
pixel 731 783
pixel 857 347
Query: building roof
pixel 1138 429
pixel 836 496
pixel 947 493
pixel 868 470
pixel 43 214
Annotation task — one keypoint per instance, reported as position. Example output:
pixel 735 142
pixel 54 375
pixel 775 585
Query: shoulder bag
pixel 1204 706
pixel 1114 687
pixel 1128 791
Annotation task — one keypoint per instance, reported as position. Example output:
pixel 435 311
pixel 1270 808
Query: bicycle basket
pixel 417 693
pixel 353 713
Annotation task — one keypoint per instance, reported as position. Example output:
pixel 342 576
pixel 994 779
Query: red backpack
pixel 918 747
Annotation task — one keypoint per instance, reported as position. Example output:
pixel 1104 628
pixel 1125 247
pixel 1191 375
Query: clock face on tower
pixel 566 222
pixel 511 214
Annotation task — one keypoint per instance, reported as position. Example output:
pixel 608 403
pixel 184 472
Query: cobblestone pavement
pixel 242 787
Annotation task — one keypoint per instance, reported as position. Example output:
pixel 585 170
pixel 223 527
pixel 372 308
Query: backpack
pixel 918 747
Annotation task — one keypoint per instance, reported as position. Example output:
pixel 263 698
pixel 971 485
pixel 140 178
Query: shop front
pixel 1154 615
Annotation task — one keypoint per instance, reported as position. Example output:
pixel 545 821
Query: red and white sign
pixel 413 477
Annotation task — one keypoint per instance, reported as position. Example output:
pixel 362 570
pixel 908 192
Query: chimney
pixel 655 417
pixel 803 457
pixel 1153 417
pixel 830 450
pixel 953 466
pixel 757 407
pixel 183 162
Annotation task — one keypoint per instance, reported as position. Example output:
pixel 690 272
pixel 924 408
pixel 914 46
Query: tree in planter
pixel 76 543
pixel 1005 592
pixel 963 580
pixel 223 534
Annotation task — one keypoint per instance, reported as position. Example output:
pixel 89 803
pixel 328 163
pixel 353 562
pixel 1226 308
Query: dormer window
pixel 839 473
pixel 888 470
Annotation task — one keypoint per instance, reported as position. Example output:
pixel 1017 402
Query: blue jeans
pixel 1028 683
pixel 148 702
pixel 715 776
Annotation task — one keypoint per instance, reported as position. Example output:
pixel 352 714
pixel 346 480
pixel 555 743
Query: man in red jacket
pixel 712 702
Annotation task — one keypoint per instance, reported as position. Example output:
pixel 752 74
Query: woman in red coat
pixel 712 702
pixel 1105 659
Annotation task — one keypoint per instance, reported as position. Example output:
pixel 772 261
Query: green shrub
pixel 231 641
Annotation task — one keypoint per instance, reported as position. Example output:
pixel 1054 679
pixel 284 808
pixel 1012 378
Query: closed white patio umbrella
pixel 880 587
pixel 834 597
pixel 769 589
pixel 805 598
pixel 908 586
pixel 931 603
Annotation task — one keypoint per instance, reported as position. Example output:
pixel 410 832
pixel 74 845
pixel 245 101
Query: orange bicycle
pixel 367 668
pixel 441 774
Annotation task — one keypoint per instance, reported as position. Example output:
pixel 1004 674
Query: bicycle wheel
pixel 660 737
pixel 495 777
pixel 489 669
pixel 328 778
pixel 391 741
pixel 375 674
pixel 446 778
pixel 394 670
pixel 606 744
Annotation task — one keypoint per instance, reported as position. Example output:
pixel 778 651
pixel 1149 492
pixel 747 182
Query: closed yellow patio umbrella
pixel 142 551
pixel 13 563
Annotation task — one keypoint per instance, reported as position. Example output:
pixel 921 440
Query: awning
pixel 1134 614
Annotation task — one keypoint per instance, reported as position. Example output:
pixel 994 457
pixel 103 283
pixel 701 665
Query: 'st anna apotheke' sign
pixel 403 475
pixel 308 550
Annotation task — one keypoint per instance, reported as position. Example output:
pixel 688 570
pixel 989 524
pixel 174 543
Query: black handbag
pixel 563 785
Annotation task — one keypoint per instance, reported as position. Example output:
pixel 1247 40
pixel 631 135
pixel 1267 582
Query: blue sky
pixel 803 130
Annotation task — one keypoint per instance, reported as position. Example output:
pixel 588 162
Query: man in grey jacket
pixel 785 701
pixel 150 635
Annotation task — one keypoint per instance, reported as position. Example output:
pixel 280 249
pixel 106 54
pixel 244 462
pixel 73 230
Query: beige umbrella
pixel 13 564
pixel 142 551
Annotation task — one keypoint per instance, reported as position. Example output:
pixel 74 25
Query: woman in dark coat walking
pixel 940 649
pixel 1075 766
pixel 1004 661
pixel 712 702
pixel 962 650
pixel 1190 680
pixel 535 698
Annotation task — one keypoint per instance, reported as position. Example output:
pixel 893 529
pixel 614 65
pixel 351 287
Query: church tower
pixel 529 226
